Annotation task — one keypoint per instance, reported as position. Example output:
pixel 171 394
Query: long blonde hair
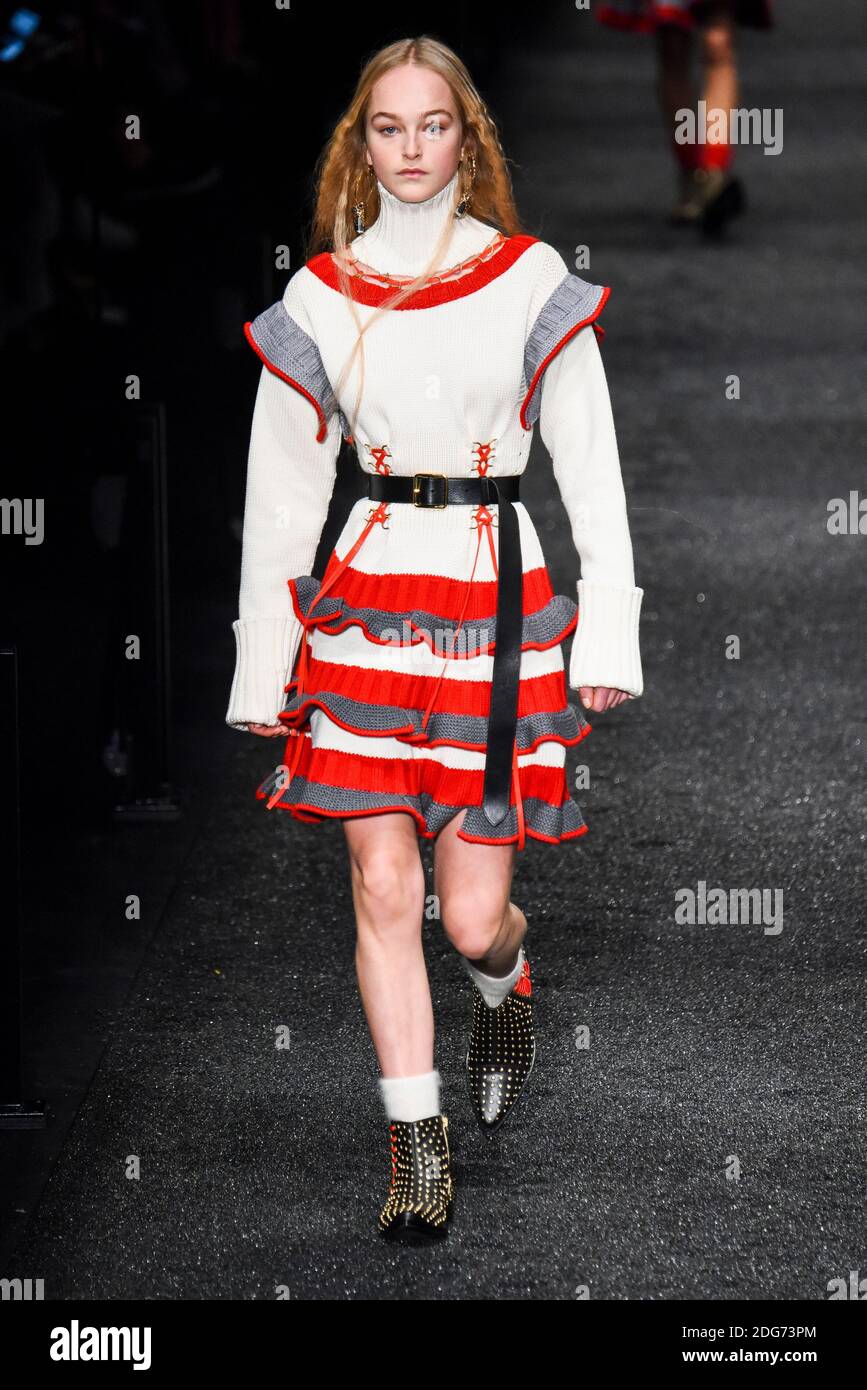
pixel 341 168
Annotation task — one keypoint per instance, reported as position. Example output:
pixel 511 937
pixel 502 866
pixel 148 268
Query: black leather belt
pixel 437 490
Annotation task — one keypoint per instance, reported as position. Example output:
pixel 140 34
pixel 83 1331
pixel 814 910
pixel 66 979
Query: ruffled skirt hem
pixel 314 801
pixel 546 627
pixel 443 729
pixel 382 729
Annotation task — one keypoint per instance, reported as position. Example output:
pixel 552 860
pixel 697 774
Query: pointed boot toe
pixel 501 1052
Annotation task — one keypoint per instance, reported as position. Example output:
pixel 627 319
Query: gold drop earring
pixel 358 205
pixel 461 209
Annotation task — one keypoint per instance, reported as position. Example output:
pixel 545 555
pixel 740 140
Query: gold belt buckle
pixel 415 489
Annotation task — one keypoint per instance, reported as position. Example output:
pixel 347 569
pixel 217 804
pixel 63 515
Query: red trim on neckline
pixel 364 292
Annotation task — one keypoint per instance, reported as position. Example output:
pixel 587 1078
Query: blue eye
pixel 434 128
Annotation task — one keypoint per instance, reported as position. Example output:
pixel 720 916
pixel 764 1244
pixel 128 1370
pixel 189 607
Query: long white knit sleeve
pixel 577 427
pixel 290 479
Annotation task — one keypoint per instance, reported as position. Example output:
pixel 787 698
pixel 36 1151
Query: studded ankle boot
pixel 501 1052
pixel 419 1203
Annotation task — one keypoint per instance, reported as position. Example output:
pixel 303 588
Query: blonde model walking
pixel 420 686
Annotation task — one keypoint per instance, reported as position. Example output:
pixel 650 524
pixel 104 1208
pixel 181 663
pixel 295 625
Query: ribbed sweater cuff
pixel 265 651
pixel 605 650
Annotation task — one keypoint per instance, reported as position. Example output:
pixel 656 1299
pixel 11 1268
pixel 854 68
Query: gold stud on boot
pixel 420 1198
pixel 501 1052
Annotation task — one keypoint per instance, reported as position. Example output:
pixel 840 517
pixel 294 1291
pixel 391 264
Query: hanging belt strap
pixel 437 490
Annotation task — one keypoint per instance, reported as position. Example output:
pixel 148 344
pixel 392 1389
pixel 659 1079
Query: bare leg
pixel 718 58
pixel 473 884
pixel 675 93
pixel 703 166
pixel 720 196
pixel 388 887
pixel 674 85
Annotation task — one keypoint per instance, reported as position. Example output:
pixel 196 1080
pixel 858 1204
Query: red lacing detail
pixel 524 985
pixel 483 516
pixel 379 455
pixel 378 514
pixel 519 805
pixel 485 454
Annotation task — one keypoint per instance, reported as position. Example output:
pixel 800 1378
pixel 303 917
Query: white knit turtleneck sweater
pixel 404 234
pixel 482 364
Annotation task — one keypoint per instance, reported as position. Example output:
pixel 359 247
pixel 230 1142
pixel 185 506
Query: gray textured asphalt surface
pixel 708 1143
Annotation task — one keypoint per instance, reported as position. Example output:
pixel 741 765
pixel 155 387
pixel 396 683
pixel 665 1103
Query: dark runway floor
pixel 709 1142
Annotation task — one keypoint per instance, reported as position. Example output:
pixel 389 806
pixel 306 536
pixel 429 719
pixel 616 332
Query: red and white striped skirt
pixel 387 710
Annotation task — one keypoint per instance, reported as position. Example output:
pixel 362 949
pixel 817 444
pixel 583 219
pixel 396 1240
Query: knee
pixel 389 887
pixel 471 922
pixel 717 46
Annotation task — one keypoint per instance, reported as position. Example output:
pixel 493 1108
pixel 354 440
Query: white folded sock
pixel 494 988
pixel 411 1097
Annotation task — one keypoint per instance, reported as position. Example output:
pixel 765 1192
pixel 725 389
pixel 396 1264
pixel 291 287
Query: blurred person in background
pixel 708 192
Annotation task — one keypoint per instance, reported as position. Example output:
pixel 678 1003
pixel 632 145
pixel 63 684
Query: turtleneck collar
pixel 404 234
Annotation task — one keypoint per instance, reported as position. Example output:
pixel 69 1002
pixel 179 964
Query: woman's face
pixel 413 132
